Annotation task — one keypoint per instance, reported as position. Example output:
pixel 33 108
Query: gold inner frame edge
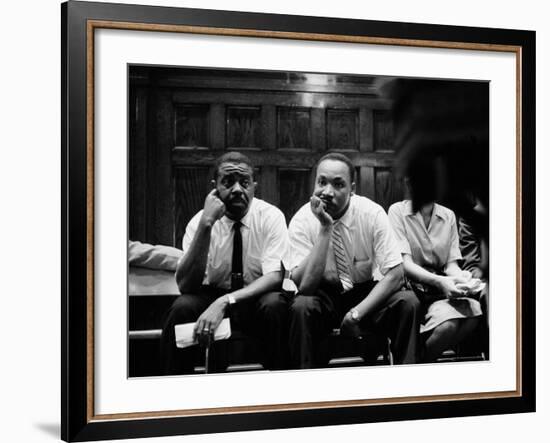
pixel 120 25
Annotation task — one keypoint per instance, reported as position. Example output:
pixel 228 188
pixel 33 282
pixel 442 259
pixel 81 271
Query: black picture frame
pixel 78 422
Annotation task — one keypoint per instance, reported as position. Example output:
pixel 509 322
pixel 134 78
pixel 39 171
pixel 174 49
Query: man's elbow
pixel 183 286
pixel 186 280
pixel 186 285
pixel 304 285
pixel 273 280
pixel 397 277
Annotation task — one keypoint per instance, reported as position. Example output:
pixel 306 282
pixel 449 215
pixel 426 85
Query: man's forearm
pixel 210 319
pixel 309 273
pixel 392 282
pixel 191 268
pixel 266 283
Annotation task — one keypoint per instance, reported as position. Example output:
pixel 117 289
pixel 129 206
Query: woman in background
pixel 429 244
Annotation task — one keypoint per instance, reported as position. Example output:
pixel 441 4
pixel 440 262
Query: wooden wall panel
pixel 269 127
pixel 162 228
pixel 366 129
pixel 387 189
pixel 288 158
pixel 280 98
pixel 181 120
pixel 318 132
pixel 343 129
pixel 243 127
pixel 191 187
pixel 137 168
pixel 192 125
pixel 295 188
pixel 266 177
pixel 293 128
pixel 365 182
pixel 258 81
pixel 383 131
pixel 217 126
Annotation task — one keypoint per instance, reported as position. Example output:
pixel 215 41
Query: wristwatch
pixel 354 314
pixel 230 299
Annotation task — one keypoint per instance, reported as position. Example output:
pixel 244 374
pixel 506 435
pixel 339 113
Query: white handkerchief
pixel 289 286
pixel 184 333
pixel 473 286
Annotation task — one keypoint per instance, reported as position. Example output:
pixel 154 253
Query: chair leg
pixel 389 353
pixel 207 358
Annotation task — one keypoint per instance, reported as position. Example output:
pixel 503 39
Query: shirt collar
pixel 437 211
pixel 347 218
pixel 408 208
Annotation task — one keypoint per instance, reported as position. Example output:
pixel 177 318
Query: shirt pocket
pixel 217 273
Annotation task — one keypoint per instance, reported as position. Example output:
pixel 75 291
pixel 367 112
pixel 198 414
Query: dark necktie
pixel 237 259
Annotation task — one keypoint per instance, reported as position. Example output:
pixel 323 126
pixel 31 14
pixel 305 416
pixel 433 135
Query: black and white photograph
pixel 282 220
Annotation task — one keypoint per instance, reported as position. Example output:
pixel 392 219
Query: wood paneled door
pixel 182 119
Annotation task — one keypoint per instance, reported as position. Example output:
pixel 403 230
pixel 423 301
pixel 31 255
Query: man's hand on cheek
pixel 319 210
pixel 214 208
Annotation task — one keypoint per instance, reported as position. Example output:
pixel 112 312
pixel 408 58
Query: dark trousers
pixel 264 317
pixel 312 317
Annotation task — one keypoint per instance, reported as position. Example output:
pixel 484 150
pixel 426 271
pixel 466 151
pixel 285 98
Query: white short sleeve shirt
pixel 369 241
pixel 431 247
pixel 265 244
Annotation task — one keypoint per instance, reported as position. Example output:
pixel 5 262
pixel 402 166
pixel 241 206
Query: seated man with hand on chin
pixel 232 254
pixel 336 241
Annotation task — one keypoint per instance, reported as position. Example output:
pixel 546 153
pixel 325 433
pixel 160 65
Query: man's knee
pixel 407 302
pixel 183 310
pixel 304 306
pixel 273 304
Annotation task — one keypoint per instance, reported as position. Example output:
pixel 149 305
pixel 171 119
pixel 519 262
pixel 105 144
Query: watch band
pixel 231 300
pixel 354 314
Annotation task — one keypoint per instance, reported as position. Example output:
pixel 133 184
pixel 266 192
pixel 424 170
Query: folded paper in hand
pixel 184 333
pixel 473 286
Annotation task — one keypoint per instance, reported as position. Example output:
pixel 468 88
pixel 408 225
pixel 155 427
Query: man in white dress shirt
pixel 231 265
pixel 337 240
